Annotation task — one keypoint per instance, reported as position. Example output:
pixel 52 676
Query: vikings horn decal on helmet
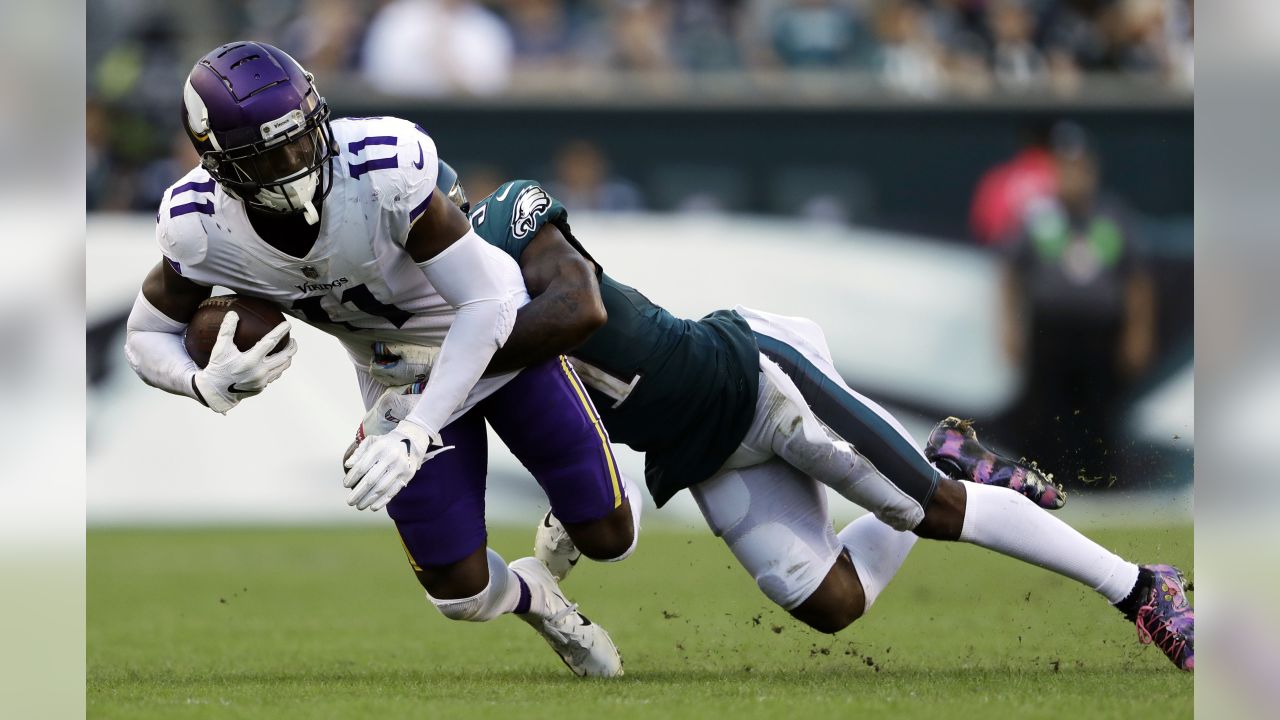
pixel 260 127
pixel 447 183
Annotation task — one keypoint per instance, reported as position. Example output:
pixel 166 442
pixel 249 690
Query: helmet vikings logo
pixel 531 202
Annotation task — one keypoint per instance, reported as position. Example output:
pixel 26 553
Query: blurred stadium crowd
pixel 483 47
pixel 450 50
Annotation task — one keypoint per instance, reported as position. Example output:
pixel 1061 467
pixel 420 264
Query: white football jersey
pixel 358 283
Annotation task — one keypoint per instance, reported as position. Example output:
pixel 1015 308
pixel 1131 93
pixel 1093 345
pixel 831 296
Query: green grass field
pixel 330 623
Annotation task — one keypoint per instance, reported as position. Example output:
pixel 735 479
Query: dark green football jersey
pixel 681 391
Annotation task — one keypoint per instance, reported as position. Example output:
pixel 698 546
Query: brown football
pixel 257 318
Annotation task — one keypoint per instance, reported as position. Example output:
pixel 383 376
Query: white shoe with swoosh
pixel 584 646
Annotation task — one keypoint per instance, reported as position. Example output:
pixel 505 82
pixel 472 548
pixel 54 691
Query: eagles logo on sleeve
pixel 531 202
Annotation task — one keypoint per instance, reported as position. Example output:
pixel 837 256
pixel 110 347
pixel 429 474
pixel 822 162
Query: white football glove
pixel 392 406
pixel 232 375
pixel 383 464
pixel 401 363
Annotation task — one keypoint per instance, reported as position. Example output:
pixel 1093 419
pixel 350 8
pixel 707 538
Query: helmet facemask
pixel 289 171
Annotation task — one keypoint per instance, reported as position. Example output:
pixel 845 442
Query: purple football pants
pixel 547 421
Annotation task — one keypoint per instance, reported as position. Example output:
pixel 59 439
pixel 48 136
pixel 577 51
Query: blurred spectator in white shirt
pixel 430 48
pixel 1181 31
pixel 910 57
pixel 1016 62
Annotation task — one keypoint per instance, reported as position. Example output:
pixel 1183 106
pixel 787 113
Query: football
pixel 257 318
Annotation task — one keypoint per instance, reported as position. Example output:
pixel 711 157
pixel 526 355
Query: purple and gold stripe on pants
pixel 595 421
pixel 545 417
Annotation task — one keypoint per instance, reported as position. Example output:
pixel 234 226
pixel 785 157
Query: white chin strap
pixel 296 194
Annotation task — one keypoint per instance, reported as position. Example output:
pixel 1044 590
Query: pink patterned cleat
pixel 954 449
pixel 1165 617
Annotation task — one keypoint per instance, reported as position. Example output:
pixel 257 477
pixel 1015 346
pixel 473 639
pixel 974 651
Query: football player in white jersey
pixel 338 223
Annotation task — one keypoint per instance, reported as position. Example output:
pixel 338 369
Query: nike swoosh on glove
pixel 232 375
pixel 384 464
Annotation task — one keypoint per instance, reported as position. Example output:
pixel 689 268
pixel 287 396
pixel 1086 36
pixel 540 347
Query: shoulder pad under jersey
pixel 397 158
pixel 180 221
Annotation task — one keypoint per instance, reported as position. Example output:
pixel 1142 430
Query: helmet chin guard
pixel 261 129
pixel 291 196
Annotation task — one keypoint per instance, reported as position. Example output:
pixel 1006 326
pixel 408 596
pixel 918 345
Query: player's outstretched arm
pixel 477 280
pixel 566 306
pixel 154 347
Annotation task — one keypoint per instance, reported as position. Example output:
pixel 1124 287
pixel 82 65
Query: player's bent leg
pixel 774 520
pixel 896 487
pixel 555 545
pixel 440 513
pixel 877 552
pixel 547 420
pixel 528 591
pixel 799 367
pixel 440 518
pixel 478 588
pixel 997 518
pixel 944 515
pixel 613 537
pixel 873 554
pixel 799 348
pixel 837 601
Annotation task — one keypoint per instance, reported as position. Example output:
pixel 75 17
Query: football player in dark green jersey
pixel 746 410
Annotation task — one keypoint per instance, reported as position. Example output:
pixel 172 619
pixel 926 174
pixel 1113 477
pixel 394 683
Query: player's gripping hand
pixel 383 464
pixel 401 363
pixel 232 375
pixel 392 406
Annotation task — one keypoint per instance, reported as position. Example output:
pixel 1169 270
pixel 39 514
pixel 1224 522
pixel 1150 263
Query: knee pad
pixel 786 568
pixel 497 598
pixel 774 520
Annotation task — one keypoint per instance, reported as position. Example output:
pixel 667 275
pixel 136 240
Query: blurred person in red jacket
pixel 1005 191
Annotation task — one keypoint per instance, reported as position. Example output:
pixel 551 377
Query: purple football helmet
pixel 260 127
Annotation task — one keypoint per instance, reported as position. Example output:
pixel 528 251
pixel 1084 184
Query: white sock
pixel 498 597
pixel 877 551
pixel 1000 519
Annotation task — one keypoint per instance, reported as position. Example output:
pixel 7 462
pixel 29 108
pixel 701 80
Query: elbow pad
pixel 153 346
